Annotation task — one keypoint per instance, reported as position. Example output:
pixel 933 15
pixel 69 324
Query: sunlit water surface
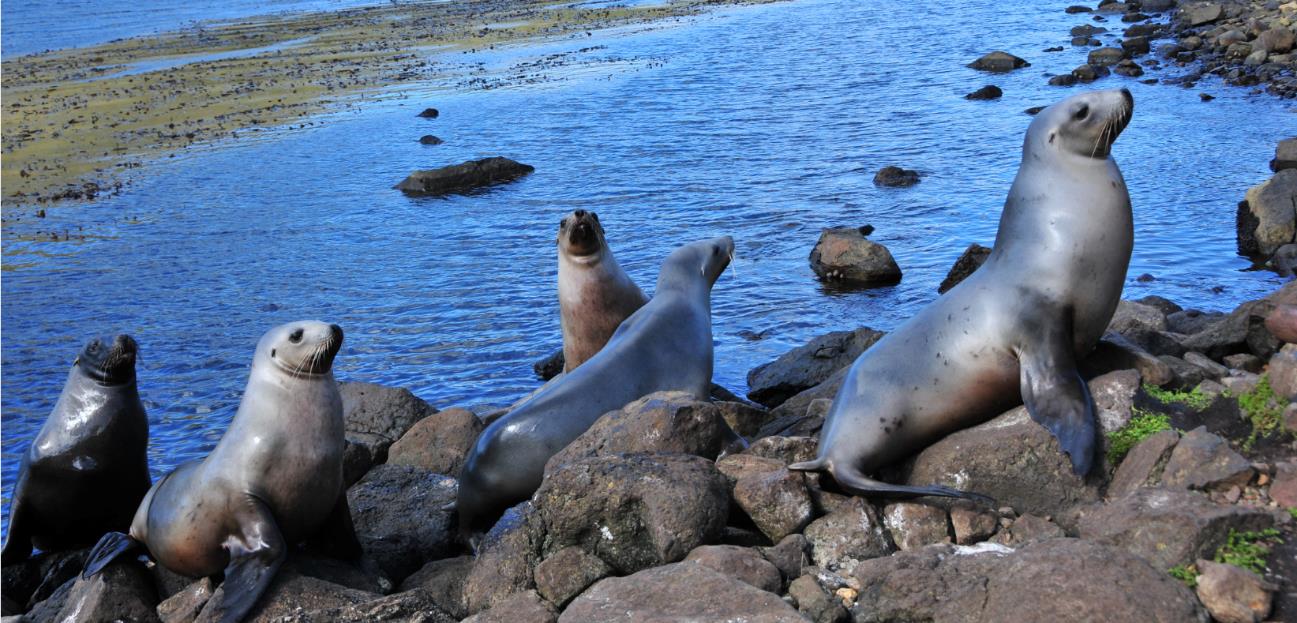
pixel 763 123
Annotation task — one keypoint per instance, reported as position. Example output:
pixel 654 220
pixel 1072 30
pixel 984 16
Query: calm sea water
pixel 763 123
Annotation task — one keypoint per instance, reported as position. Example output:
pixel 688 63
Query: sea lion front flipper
pixel 1055 394
pixel 110 547
pixel 256 553
pixel 18 544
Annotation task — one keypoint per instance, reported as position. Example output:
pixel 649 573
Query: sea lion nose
pixel 336 332
pixel 125 343
pixel 1125 94
pixel 579 213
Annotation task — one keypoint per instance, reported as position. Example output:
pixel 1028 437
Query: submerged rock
pixel 464 176
pixel 896 177
pixel 999 62
pixel 988 92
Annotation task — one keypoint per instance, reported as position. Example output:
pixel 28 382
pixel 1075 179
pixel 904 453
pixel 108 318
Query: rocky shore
pixel 1190 516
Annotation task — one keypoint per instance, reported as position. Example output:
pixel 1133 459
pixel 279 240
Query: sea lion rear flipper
pixel 255 555
pixel 858 484
pixel 110 547
pixel 1056 396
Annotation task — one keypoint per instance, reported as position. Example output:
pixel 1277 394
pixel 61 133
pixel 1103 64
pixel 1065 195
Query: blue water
pixel 764 123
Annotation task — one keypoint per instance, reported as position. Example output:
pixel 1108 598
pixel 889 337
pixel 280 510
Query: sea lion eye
pixel 295 336
pixel 1082 112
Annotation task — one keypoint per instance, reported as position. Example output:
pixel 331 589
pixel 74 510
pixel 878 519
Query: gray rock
pixel 633 511
pixel 915 525
pixel 786 449
pixel 662 422
pixel 1285 155
pixel 185 605
pixel 1243 330
pixel 409 607
pixel 1012 459
pixel 1114 400
pixel 1283 373
pixel 999 62
pixel 1143 465
pixel 1157 5
pixel 567 572
pixel 439 443
pixel 1131 316
pixel 843 538
pixel 1039 582
pixel 1205 461
pixel 1275 41
pixel 741 563
pixel 1028 529
pixel 377 416
pixel 404 517
pixel 1214 370
pixel 505 560
pixel 1168 527
pixel 808 365
pixel 1103 57
pixel 1164 305
pixel 524 606
pixel 843 254
pixel 1090 73
pixel 1267 218
pixel 1246 362
pixel 1191 321
pixel 1233 595
pixel 743 418
pixel 789 555
pixel 1199 14
pixel 695 592
pixel 288 594
pixel 357 459
pixel 1187 375
pixel 816 603
pixel 1115 352
pixel 122 591
pixel 970 260
pixel 35 579
pixel 1284 261
pixel 443 582
pixel 464 176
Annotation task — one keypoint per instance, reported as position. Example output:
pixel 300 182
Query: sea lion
pixel 594 294
pixel 88 467
pixel 273 480
pixel 1013 330
pixel 665 345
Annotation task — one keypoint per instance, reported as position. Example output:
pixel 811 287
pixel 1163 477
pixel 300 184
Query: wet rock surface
pixel 844 254
pixel 464 176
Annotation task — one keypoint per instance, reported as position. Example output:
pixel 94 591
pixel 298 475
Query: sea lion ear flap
pixel 1057 397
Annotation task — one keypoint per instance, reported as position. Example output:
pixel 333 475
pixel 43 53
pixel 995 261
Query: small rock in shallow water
pixel 428 139
pixel 464 176
pixel 896 177
pixel 999 62
pixel 988 92
pixel 429 113
pixel 842 254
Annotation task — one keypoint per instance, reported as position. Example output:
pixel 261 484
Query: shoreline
pixel 78 122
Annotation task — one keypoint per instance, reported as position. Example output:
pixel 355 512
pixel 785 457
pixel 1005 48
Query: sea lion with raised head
pixel 1013 330
pixel 274 479
pixel 88 468
pixel 594 294
pixel 665 345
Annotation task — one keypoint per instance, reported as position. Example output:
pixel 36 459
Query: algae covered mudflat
pixel 75 120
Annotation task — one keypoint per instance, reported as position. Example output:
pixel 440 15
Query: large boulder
pixel 123 591
pixel 662 422
pixel 633 511
pixel 1243 330
pixel 1267 217
pixel 404 517
pixel 1012 459
pixel 843 538
pixel 464 176
pixel 915 525
pixel 680 592
pixel 1200 13
pixel 377 415
pixel 777 500
pixel 1285 155
pixel 1143 464
pixel 844 254
pixel 1053 580
pixel 808 365
pixel 999 61
pixel 1202 460
pixel 1168 527
pixel 568 572
pixel 439 443
pixel 506 558
pixel 291 593
pixel 35 579
pixel 524 606
pixel 970 260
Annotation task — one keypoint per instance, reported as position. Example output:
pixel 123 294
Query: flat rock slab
pixel 681 592
pixel 464 176
pixel 1055 580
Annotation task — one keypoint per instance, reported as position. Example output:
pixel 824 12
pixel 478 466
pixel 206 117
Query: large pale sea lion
pixel 1013 330
pixel 594 294
pixel 665 345
pixel 87 469
pixel 274 479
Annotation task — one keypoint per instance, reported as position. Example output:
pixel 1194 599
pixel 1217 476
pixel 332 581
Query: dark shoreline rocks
pixel 464 177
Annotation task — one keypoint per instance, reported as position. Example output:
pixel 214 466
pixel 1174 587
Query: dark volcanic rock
pixel 464 176
pixel 999 62
pixel 505 560
pixel 1205 461
pixel 429 113
pixel 1243 330
pixel 808 365
pixel 1285 155
pixel 633 511
pixel 1054 580
pixel 815 602
pixel 567 572
pixel 122 591
pixel 972 259
pixel 1168 527
pixel 741 563
pixel 550 366
pixel 291 593
pixel 36 578
pixel 428 139
pixel 988 92
pixel 778 501
pixel 439 443
pixel 377 415
pixel 443 581
pixel 662 422
pixel 185 605
pixel 845 537
pixel 1115 352
pixel 1103 57
pixel 844 254
pixel 1143 465
pixel 409 607
pixel 896 177
pixel 683 591
pixel 401 517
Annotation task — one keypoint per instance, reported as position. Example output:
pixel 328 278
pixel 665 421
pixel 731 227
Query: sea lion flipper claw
pixel 255 555
pixel 1057 397
pixel 110 547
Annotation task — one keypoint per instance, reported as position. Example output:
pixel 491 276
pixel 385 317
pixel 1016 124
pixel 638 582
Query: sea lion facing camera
pixel 273 480
pixel 594 294
pixel 665 345
pixel 87 469
pixel 1013 330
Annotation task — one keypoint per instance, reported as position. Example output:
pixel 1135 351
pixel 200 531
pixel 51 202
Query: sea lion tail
pixel 109 548
pixel 857 484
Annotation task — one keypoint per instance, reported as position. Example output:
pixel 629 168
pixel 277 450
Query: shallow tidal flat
pixel 76 120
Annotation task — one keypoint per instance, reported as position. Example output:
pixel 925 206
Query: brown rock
pixel 844 254
pixel 1115 352
pixel 443 581
pixel 741 563
pixel 682 591
pixel 999 61
pixel 808 365
pixel 1205 461
pixel 1143 465
pixel 662 422
pixel 403 517
pixel 464 176
pixel 291 593
pixel 1283 373
pixel 915 525
pixel 972 258
pixel 439 443
pixel 409 607
pixel 816 603
pixel 1233 595
pixel 1282 323
pixel 567 572
pixel 122 591
pixel 505 560
pixel 778 502
pixel 185 605
pixel 1283 489
pixel 525 606
pixel 377 415
pixel 1029 529
pixel 743 418
pixel 843 538
pixel 789 555
pixel 787 449
pixel 972 525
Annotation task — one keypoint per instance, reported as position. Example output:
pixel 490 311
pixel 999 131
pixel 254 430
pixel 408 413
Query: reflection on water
pixel 763 123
